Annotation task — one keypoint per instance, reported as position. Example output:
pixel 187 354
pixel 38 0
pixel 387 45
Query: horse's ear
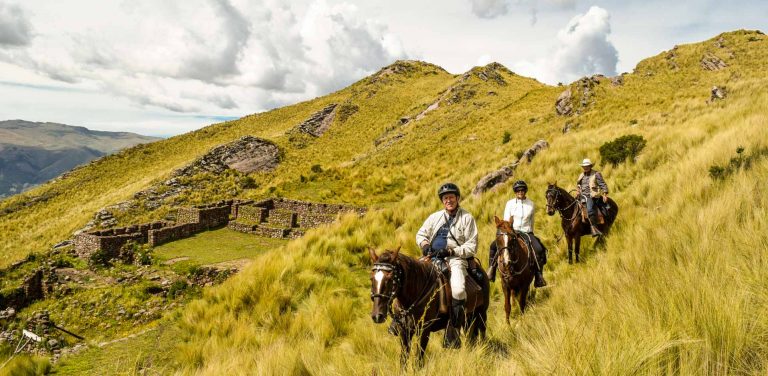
pixel 396 252
pixel 372 253
pixel 497 220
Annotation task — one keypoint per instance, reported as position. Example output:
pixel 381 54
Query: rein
pixel 396 280
pixel 561 210
pixel 500 251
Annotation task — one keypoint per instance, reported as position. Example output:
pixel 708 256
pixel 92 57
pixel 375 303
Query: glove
pixel 425 249
pixel 442 253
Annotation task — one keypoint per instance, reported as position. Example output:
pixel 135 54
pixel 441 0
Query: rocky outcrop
pixel 246 155
pixel 717 93
pixel 711 62
pixel 319 122
pixel 563 105
pixel 503 174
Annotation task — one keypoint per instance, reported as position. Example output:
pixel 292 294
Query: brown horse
pixel 573 222
pixel 514 259
pixel 410 290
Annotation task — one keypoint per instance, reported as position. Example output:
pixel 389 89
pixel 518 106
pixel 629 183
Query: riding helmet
pixel 448 188
pixel 520 185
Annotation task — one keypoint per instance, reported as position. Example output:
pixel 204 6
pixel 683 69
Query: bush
pixel 507 137
pixel 739 162
pixel 622 148
pixel 317 169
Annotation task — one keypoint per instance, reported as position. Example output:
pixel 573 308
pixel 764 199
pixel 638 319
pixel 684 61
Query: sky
pixel 163 68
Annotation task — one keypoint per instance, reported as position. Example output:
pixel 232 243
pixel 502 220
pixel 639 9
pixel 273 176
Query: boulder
pixel 717 93
pixel 711 62
pixel 246 155
pixel 503 174
pixel 319 122
pixel 563 104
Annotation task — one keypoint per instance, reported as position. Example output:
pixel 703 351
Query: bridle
pixel 500 251
pixel 397 279
pixel 556 200
pixel 397 276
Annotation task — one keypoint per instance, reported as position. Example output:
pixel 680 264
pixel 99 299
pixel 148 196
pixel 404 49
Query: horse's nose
pixel 378 318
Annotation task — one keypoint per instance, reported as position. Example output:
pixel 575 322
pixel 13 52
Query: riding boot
pixel 538 279
pixel 592 221
pixel 452 338
pixel 492 272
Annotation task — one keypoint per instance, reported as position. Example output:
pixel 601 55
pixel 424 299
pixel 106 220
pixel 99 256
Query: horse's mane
pixel 408 263
pixel 562 191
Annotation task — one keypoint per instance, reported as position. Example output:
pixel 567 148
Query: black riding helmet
pixel 448 188
pixel 520 185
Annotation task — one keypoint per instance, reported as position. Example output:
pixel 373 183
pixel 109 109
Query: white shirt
pixel 521 212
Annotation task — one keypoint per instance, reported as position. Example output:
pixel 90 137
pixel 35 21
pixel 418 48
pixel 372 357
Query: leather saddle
pixel 471 284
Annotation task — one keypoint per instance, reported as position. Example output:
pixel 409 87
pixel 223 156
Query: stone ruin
pixel 275 218
pixel 283 218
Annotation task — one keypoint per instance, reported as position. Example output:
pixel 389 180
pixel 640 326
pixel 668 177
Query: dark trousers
pixel 532 241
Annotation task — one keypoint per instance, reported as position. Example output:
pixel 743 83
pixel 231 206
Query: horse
pixel 514 259
pixel 410 290
pixel 573 219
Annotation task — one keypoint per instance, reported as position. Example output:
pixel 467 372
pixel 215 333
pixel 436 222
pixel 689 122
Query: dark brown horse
pixel 410 290
pixel 514 259
pixel 573 219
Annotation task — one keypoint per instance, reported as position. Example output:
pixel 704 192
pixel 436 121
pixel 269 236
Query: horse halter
pixel 396 277
pixel 556 199
pixel 512 237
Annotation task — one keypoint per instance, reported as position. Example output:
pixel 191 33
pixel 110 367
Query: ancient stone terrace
pixel 283 218
pixel 274 218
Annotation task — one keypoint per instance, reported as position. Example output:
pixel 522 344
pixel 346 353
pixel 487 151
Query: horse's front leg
pixel 423 342
pixel 507 304
pixel 523 298
pixel 570 248
pixel 406 335
pixel 578 247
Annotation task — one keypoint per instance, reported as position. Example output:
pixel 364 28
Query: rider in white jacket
pixel 451 234
pixel 520 211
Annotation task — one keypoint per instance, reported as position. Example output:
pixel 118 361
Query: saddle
pixel 601 212
pixel 472 284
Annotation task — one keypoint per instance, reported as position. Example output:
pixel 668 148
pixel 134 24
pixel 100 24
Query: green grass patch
pixel 215 246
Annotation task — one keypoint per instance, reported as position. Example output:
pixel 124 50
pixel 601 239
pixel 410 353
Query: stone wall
pixel 282 218
pixel 110 241
pixel 252 214
pixel 171 233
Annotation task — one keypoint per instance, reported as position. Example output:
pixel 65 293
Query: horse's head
pixel 553 195
pixel 386 275
pixel 506 239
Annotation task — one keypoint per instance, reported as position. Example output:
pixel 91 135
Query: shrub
pixel 717 172
pixel 622 148
pixel 317 169
pixel 506 138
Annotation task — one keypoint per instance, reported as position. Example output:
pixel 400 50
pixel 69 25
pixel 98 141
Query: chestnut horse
pixel 416 284
pixel 514 260
pixel 573 222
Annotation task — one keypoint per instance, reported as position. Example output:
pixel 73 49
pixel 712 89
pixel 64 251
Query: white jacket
pixel 463 228
pixel 521 212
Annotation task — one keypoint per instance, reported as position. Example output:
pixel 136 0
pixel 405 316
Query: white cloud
pixel 489 8
pixel 584 48
pixel 211 56
pixel 15 29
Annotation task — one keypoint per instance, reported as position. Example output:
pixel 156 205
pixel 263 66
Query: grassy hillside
pixel 679 288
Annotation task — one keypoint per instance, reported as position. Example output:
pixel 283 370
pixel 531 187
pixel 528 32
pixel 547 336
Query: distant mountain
pixel 32 153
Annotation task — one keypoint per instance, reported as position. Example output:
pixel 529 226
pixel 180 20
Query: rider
pixel 591 186
pixel 520 212
pixel 451 234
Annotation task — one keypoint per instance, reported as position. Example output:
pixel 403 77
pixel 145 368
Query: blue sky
pixel 164 68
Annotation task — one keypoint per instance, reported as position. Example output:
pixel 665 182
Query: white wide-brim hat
pixel 586 162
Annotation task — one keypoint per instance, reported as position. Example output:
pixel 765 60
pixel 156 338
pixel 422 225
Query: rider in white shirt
pixel 519 211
